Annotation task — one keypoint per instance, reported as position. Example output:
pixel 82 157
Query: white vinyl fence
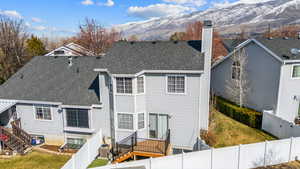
pixel 86 154
pixel 236 157
pixel 279 127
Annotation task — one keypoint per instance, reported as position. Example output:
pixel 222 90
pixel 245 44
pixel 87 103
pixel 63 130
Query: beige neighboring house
pixel 71 49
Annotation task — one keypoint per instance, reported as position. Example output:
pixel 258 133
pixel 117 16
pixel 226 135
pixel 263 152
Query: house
pixel 273 71
pixel 71 49
pixel 153 90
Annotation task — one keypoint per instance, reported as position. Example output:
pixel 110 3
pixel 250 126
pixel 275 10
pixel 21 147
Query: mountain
pixel 255 17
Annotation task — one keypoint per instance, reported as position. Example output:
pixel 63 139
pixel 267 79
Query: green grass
pixel 228 132
pixel 98 163
pixel 34 160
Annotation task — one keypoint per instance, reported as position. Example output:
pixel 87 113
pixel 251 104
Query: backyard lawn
pixel 224 131
pixel 98 163
pixel 34 160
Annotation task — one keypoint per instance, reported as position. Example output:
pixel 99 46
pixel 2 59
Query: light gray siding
pixel 289 88
pixel 52 130
pixel 263 72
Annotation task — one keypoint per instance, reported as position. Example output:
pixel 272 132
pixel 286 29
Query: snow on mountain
pixel 228 19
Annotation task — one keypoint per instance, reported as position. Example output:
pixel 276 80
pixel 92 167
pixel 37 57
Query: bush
pixel 244 115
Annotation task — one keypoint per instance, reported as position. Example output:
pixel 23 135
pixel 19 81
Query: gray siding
pixel 52 130
pixel 263 72
pixel 289 88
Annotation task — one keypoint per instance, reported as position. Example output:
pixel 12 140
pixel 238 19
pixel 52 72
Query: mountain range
pixel 228 19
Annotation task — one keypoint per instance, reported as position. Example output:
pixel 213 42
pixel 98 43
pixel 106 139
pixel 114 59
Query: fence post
pixel 265 153
pixel 73 162
pixel 182 163
pixel 239 156
pixel 291 147
pixel 150 163
pixel 211 157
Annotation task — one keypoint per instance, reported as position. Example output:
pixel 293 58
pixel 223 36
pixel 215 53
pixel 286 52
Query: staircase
pixel 16 140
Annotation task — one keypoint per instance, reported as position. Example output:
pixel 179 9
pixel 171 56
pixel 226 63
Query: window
pixel 236 70
pixel 77 118
pixel 43 113
pixel 76 143
pixel 296 71
pixel 125 121
pixel 140 84
pixel 176 84
pixel 59 52
pixel 141 121
pixel 124 85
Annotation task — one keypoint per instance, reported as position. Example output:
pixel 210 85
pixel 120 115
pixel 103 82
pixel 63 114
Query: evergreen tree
pixel 35 47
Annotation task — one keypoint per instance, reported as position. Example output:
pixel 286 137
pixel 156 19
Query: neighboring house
pixel 148 87
pixel 273 72
pixel 71 49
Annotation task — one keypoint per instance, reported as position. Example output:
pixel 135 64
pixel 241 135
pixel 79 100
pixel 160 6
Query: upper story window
pixel 77 118
pixel 141 84
pixel 296 71
pixel 236 70
pixel 124 85
pixel 176 84
pixel 43 113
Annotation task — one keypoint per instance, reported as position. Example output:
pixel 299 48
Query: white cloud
pixel 87 2
pixel 39 28
pixel 158 10
pixel 37 20
pixel 11 13
pixel 188 2
pixel 108 3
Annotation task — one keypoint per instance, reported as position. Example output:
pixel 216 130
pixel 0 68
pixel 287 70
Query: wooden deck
pixel 151 146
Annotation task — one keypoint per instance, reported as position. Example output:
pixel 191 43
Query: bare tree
pixel 237 87
pixel 13 35
pixel 95 37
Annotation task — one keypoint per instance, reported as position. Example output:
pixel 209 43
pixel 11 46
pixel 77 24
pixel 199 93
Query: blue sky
pixel 61 17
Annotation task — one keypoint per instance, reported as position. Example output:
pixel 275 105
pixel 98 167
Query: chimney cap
pixel 207 23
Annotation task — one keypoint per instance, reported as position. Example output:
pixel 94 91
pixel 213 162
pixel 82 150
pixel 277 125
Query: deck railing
pixel 12 141
pixel 133 143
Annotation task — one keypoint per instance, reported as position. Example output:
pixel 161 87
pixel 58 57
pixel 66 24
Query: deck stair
pixel 133 146
pixel 16 140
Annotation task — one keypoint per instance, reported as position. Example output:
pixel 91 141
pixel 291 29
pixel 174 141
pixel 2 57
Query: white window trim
pixel 292 71
pixel 185 84
pixel 66 120
pixel 138 121
pixel 144 79
pixel 132 86
pixel 51 112
pixel 133 121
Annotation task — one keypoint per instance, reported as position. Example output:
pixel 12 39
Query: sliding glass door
pixel 158 125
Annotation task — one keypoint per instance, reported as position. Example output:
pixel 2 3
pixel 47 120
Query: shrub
pixel 244 115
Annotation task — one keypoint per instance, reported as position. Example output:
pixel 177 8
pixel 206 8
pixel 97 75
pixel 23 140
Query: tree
pixel 290 31
pixel 35 46
pixel 237 87
pixel 194 32
pixel 95 37
pixel 13 35
pixel 177 36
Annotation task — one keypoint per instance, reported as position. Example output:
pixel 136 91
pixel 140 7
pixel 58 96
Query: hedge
pixel 244 115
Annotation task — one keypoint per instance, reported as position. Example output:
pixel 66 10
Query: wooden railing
pixel 11 141
pixel 19 132
pixel 134 144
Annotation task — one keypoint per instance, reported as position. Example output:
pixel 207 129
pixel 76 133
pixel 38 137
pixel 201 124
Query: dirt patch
pixel 55 148
pixel 290 165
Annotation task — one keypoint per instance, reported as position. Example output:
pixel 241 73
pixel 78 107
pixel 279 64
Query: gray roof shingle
pixel 47 78
pixel 282 47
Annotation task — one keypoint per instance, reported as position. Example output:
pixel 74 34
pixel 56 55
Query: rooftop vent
pixel 285 38
pixel 286 56
pixel 70 61
pixel 77 70
pixel 98 57
pixel 21 76
pixel 175 41
pixel 132 42
pixel 153 42
pixel 298 35
pixel 55 57
pixel 270 38
pixel 295 51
